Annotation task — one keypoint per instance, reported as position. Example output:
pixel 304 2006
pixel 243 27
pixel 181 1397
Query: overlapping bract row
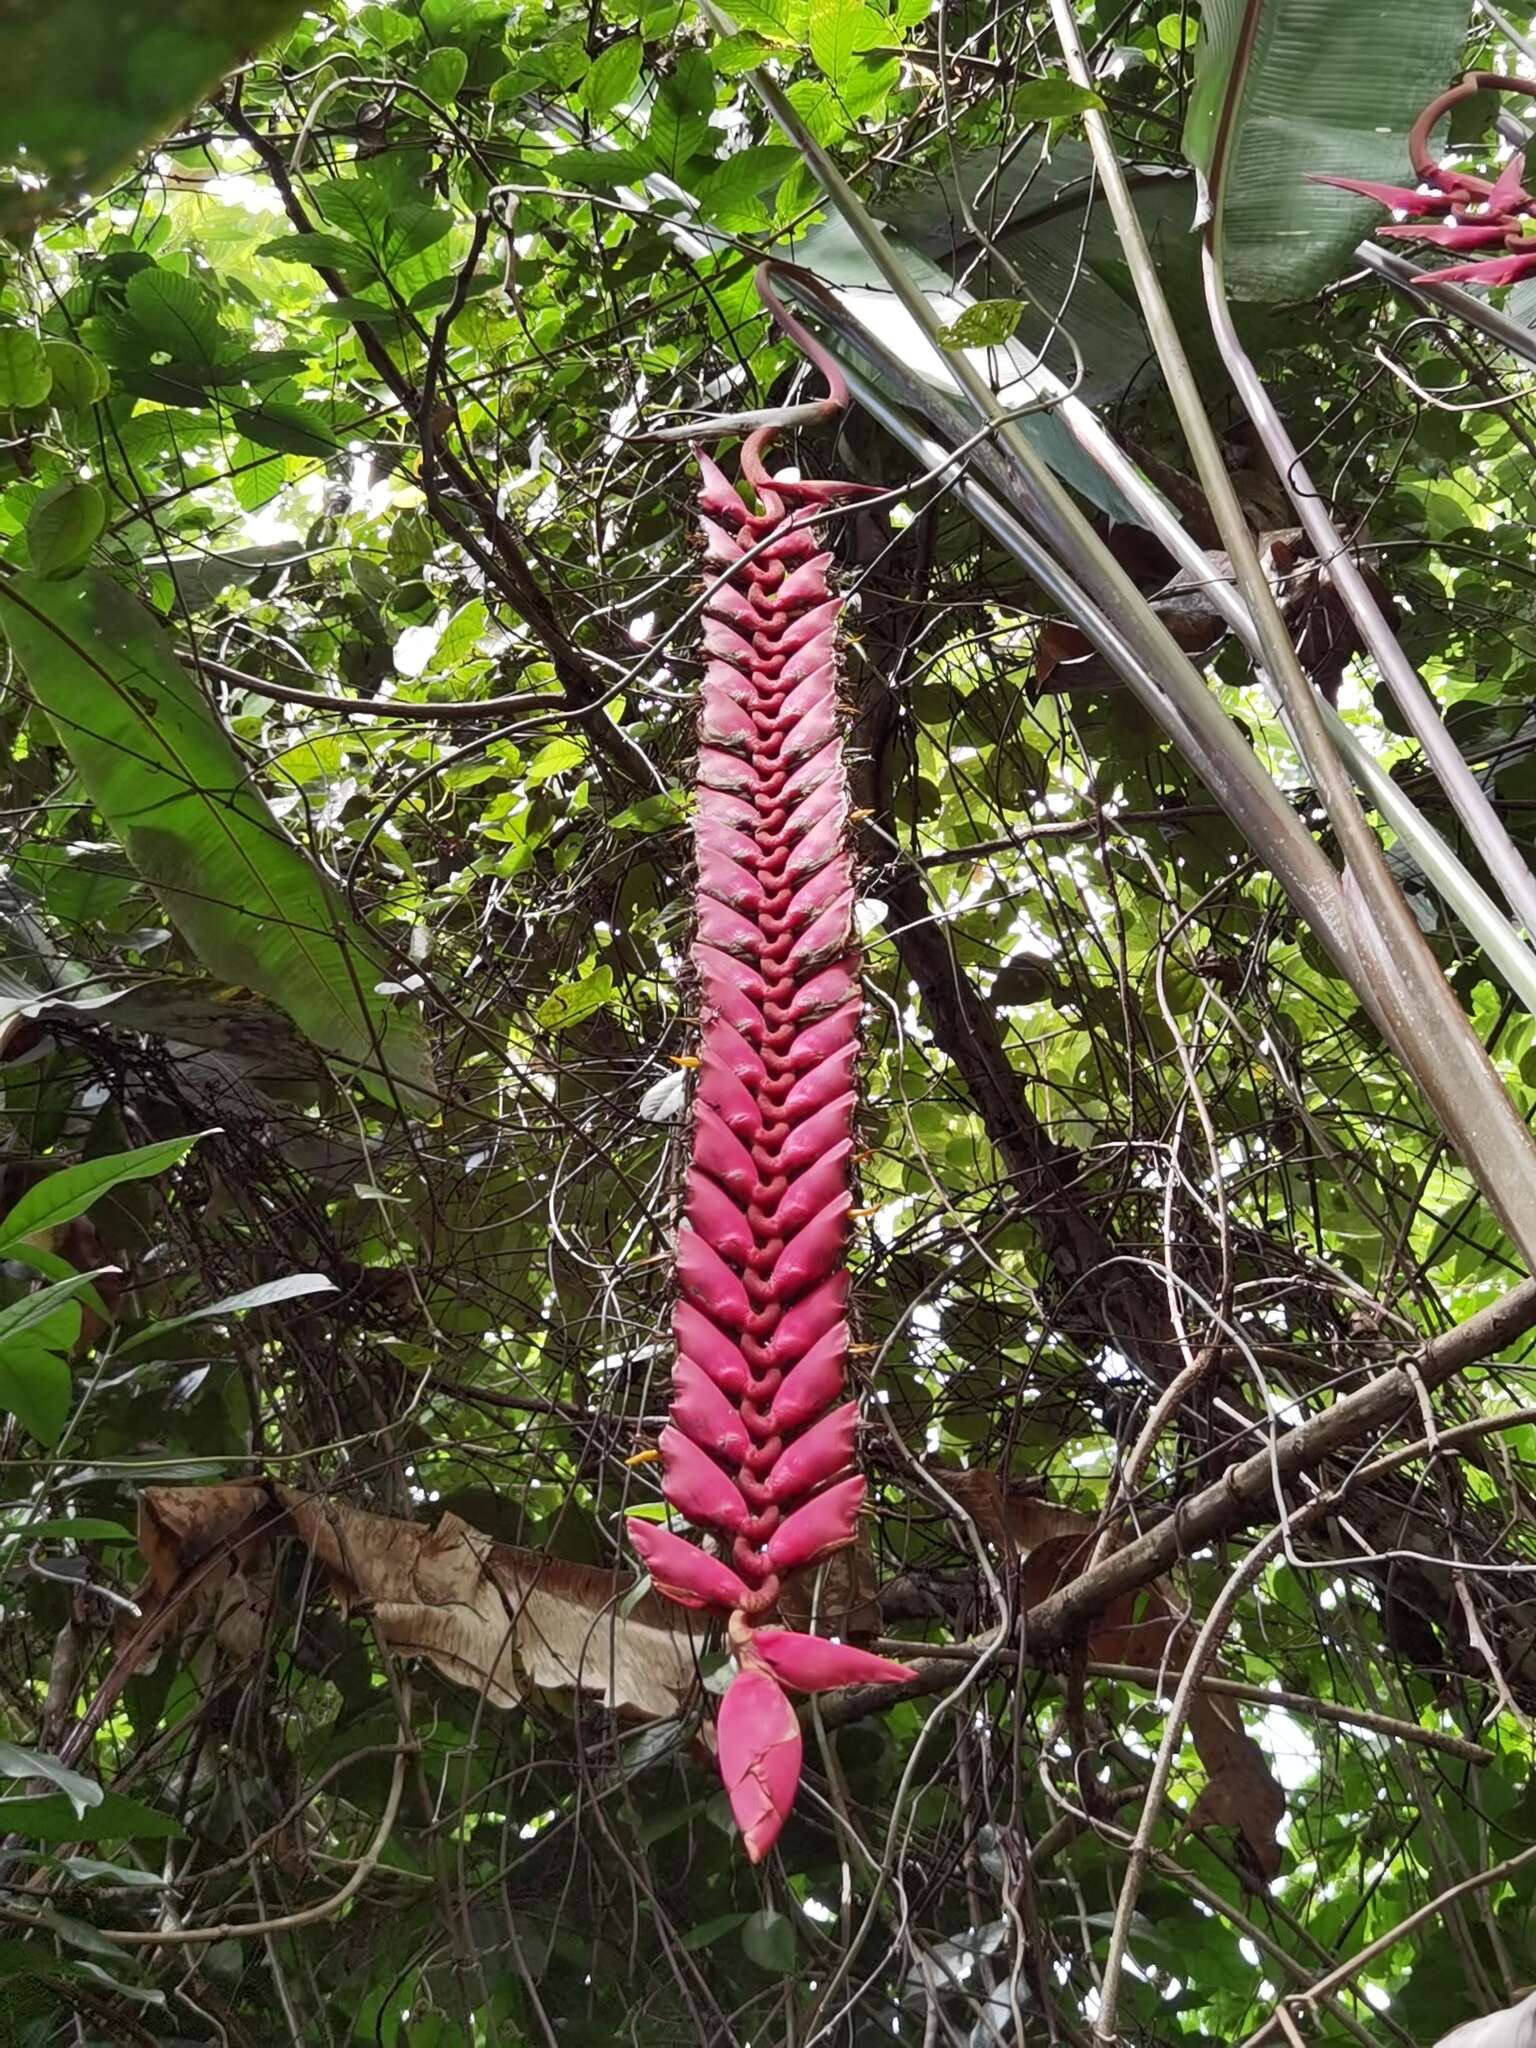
pixel 760 1444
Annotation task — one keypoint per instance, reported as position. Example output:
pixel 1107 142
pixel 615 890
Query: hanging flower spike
pixel 760 1444
pixel 1481 215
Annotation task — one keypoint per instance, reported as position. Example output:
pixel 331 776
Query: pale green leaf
pixel 769 1940
pixel 574 1000
pixel 987 324
pixel 612 80
pixel 839 30
pixel 168 781
pixel 443 72
pixel 25 378
pixel 16 1762
pixel 79 379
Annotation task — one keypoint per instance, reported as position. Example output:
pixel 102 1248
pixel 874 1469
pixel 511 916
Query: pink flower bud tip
pixel 759 1746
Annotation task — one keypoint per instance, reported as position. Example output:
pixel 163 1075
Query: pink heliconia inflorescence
pixel 760 1446
pixel 1452 209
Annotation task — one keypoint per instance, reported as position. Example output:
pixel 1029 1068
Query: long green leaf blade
pixel 1284 87
pixel 71 1191
pixel 167 778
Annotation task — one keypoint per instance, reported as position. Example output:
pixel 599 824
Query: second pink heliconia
pixel 760 1444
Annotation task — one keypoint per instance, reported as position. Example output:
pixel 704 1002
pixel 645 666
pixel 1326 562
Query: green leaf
pixel 70 1192
pixel 115 1819
pixel 839 30
pixel 29 1315
pixel 735 54
pixel 81 1529
pixel 733 189
pixel 573 1000
pixel 79 380
pixel 769 1940
pixel 321 252
pixel 254 478
pixel 25 378
pixel 987 324
pixel 386 228
pixel 613 77
pixel 460 637
pixel 63 526
pixel 177 314
pixel 443 73
pixel 1284 88
pixel 867 84
pixel 604 168
pixel 85 84
pixel 35 1387
pixel 820 106
pixel 710 1931
pixel 293 429
pixel 1053 99
pixel 169 783
pixel 290 1288
pixel 780 21
pixel 16 1762
pixel 84 1868
pixel 679 123
pixel 388 27
pixel 552 759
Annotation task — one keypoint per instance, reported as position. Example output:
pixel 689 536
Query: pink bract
pixel 759 1740
pixel 761 1440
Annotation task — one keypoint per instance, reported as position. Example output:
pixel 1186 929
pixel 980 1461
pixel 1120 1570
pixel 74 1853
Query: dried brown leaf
pixel 501 1620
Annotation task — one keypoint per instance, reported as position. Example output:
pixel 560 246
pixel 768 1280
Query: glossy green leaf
pixel 987 324
pixel 71 1190
pixel 28 1317
pixel 292 1287
pixel 115 1818
pixel 170 784
pixel 78 1529
pixel 1287 87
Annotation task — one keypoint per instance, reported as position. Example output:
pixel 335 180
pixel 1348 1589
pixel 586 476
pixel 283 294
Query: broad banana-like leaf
pixel 170 784
pixel 1514 2027
pixel 85 84
pixel 1049 226
pixel 1284 87
pixel 1016 372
